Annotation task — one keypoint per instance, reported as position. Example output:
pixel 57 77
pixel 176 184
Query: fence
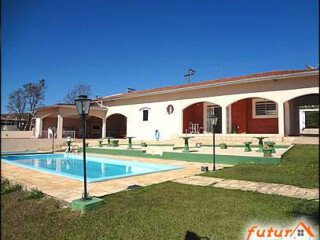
pixel 65 134
pixel 71 134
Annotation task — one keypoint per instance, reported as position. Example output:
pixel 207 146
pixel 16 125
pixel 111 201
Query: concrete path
pixel 267 188
pixel 306 140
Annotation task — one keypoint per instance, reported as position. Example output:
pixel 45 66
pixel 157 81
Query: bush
pixel 34 194
pixel 307 207
pixel 6 187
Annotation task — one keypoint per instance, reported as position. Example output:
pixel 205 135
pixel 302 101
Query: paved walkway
pixel 306 140
pixel 267 188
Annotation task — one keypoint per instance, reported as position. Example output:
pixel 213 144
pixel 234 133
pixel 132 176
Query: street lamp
pixel 68 140
pixel 214 121
pixel 83 107
pixel 53 129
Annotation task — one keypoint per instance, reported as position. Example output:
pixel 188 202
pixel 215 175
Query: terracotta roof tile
pixel 265 74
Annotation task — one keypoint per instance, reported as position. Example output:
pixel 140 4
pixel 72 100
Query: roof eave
pixel 217 84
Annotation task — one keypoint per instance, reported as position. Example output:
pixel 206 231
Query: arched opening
pixel 196 118
pixel 301 115
pixel 116 126
pixel 47 122
pixel 253 115
pixel 94 126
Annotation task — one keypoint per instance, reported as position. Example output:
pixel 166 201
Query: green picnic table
pixel 130 142
pixel 186 143
pixel 109 141
pixel 260 143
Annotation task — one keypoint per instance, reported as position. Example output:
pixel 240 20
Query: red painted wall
pixel 194 114
pixel 49 122
pixel 241 113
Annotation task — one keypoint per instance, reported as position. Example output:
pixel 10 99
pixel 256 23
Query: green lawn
pixel 164 211
pixel 299 167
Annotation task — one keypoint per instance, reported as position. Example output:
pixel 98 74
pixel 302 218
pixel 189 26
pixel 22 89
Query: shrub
pixel 307 207
pixel 6 187
pixel 34 194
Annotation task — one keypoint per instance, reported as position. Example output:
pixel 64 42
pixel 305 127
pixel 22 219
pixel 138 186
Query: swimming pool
pixel 98 168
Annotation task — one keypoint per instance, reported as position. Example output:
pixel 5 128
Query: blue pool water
pixel 98 169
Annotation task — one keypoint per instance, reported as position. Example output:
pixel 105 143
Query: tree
pixel 79 89
pixel 25 100
pixel 35 93
pixel 17 104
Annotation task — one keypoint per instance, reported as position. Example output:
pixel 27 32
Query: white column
pixel 60 126
pixel 104 127
pixel 38 128
pixel 302 119
pixel 224 119
pixel 280 118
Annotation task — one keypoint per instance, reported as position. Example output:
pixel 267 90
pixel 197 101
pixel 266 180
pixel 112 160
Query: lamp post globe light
pixel 83 108
pixel 69 140
pixel 214 121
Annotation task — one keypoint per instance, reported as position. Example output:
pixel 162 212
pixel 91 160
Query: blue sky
pixel 115 44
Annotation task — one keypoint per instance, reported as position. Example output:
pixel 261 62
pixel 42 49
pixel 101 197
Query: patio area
pixel 235 153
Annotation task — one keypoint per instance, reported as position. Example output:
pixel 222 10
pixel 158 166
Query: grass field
pixel 299 167
pixel 164 211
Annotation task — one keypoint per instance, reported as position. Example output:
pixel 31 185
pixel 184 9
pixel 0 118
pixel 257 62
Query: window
pixel 145 115
pixel 262 108
pixel 300 233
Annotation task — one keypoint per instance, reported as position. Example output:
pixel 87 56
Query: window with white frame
pixel 263 108
pixel 145 113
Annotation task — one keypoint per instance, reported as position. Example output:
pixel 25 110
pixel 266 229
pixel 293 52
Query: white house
pixel 264 103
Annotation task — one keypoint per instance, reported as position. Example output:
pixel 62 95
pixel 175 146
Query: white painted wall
pixel 278 91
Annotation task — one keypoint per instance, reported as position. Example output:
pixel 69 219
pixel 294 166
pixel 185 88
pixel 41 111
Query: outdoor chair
pixel 247 147
pixel 115 143
pixel 271 145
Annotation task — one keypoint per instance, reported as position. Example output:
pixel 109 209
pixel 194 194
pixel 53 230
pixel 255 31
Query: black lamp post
pixel 214 121
pixel 83 107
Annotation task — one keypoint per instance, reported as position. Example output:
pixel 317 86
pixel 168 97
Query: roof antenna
pixel 309 67
pixel 129 90
pixel 190 73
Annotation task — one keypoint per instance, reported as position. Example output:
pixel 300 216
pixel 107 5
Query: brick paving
pixel 266 188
